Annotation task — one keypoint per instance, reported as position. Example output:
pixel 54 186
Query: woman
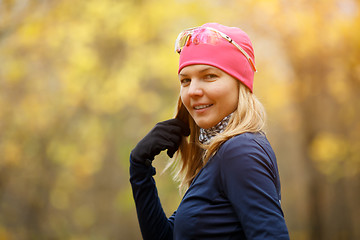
pixel 226 164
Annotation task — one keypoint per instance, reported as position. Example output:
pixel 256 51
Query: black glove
pixel 165 135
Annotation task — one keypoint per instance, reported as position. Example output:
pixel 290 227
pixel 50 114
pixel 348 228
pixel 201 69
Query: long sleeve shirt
pixel 236 195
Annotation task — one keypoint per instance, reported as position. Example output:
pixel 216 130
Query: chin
pixel 204 125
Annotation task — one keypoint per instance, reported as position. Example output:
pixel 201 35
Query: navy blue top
pixel 236 195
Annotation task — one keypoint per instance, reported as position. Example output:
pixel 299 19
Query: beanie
pixel 223 54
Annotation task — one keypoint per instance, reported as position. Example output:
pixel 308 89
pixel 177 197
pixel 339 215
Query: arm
pixel 251 182
pixel 152 219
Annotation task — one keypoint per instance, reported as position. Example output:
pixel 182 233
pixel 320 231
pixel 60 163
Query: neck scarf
pixel 207 134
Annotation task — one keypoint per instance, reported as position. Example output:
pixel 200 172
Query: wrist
pixel 141 160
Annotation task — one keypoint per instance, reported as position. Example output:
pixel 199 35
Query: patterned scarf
pixel 207 134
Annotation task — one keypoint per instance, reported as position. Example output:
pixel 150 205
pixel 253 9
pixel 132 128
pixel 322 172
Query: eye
pixel 185 81
pixel 211 76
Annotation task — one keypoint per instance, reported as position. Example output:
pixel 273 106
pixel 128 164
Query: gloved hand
pixel 165 135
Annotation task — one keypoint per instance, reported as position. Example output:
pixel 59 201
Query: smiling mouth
pixel 202 106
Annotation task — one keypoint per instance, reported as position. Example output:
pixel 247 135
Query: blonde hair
pixel 191 156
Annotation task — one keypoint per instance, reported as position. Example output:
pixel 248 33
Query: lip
pixel 201 107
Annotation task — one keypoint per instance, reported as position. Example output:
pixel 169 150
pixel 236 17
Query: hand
pixel 165 135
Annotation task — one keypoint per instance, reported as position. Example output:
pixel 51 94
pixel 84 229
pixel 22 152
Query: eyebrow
pixel 206 69
pixel 201 71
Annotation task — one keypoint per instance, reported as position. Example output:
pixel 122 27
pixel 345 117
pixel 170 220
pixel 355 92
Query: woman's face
pixel 208 93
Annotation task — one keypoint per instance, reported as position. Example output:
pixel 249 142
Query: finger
pixel 171 153
pixel 172 126
pixel 174 138
pixel 184 128
pixel 167 142
pixel 171 150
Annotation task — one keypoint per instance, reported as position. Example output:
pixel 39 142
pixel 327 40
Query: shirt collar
pixel 207 134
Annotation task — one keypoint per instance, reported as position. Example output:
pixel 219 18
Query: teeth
pixel 202 106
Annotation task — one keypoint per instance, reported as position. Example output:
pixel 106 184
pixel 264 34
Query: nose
pixel 195 89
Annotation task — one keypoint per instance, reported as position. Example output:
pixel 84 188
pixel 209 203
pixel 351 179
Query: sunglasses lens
pixel 196 36
pixel 182 40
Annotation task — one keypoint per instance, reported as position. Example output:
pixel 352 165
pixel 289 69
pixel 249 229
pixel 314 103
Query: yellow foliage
pixel 29 34
pixel 338 87
pixel 4 234
pixel 327 147
pixel 124 201
pixel 148 102
pixel 11 153
pixel 59 199
pixel 330 154
pixel 84 216
pixel 14 72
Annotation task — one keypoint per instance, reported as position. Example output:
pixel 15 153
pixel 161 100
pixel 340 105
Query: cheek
pixel 230 98
pixel 184 98
pixel 224 95
pixel 234 100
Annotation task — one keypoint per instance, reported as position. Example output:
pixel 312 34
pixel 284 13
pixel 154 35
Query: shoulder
pixel 247 149
pixel 247 142
pixel 247 159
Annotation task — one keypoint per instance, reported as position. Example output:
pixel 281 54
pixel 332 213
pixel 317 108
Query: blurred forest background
pixel 82 81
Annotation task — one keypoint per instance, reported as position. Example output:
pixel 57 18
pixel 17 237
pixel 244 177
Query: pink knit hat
pixel 222 54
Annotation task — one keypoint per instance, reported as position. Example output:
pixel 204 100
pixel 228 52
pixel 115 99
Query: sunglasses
pixel 207 35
